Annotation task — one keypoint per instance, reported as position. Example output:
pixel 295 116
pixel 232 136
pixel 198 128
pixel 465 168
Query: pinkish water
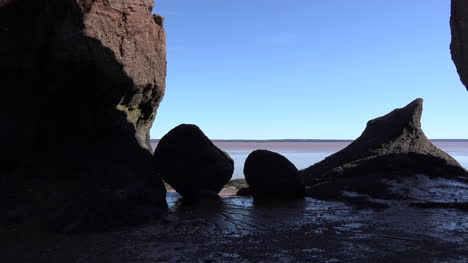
pixel 305 153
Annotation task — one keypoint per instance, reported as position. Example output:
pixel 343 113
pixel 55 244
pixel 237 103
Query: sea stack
pixel 272 176
pixel 189 162
pixel 82 82
pixel 391 147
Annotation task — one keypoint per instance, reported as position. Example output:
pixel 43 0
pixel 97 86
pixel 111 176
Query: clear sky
pixel 307 69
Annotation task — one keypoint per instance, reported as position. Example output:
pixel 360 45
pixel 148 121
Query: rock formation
pixel 459 45
pixel 271 175
pixel 189 162
pixel 390 148
pixel 82 80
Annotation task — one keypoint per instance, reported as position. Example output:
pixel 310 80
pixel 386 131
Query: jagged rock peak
pixel 390 159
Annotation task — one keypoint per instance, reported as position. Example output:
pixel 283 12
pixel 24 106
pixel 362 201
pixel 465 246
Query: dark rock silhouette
pixel 459 45
pixel 189 162
pixel 390 148
pixel 244 191
pixel 81 81
pixel 271 175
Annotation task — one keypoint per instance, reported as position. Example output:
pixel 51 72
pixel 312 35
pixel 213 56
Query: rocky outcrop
pixel 271 175
pixel 189 162
pixel 459 45
pixel 82 80
pixel 391 147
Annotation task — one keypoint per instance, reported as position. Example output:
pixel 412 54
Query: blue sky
pixel 303 69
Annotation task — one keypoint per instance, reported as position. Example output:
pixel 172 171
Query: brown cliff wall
pixel 139 44
pixel 81 81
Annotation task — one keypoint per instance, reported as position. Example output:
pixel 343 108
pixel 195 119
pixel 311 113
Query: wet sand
pixel 237 229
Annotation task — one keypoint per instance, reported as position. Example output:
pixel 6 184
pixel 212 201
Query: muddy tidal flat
pixel 237 229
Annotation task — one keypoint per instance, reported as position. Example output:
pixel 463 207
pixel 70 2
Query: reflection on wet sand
pixel 242 216
pixel 237 229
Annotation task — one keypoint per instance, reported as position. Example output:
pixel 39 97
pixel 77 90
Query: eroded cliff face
pixel 81 82
pixel 459 45
pixel 139 44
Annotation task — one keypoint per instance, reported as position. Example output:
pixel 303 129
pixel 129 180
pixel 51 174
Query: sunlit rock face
pixel 459 45
pixel 391 148
pixel 81 83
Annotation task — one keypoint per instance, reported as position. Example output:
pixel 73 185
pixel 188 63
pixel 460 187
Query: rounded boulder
pixel 271 175
pixel 189 162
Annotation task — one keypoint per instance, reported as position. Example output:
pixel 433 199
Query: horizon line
pixel 306 140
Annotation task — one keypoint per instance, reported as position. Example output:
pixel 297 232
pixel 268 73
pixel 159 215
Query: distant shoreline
pixel 310 140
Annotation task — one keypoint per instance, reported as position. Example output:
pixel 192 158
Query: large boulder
pixel 271 175
pixel 459 44
pixel 391 150
pixel 189 162
pixel 82 80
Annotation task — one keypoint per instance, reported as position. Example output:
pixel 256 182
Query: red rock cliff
pixel 81 82
pixel 139 44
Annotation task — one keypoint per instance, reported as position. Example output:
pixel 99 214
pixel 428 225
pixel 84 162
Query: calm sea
pixel 305 153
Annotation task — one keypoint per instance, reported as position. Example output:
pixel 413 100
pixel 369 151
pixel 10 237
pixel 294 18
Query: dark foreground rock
pixel 82 80
pixel 271 175
pixel 392 159
pixel 459 44
pixel 188 161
